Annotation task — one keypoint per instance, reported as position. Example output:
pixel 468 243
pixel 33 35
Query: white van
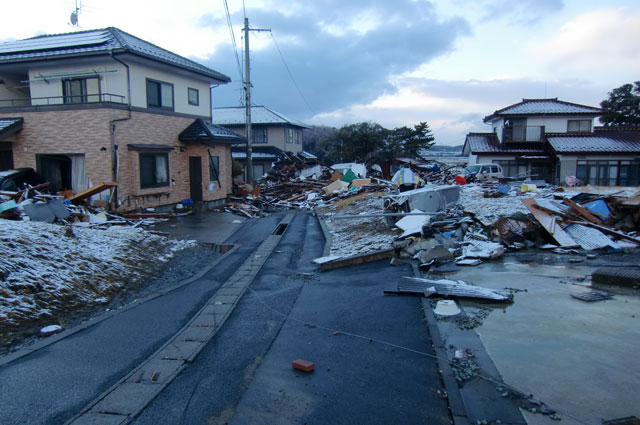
pixel 482 172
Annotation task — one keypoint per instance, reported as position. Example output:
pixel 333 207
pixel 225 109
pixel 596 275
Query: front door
pixel 195 177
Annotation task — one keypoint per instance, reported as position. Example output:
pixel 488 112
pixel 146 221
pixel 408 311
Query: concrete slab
pixel 100 419
pixel 157 371
pixel 195 333
pixel 128 398
pixel 179 350
pixel 572 355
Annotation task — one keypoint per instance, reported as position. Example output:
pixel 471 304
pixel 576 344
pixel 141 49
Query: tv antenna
pixel 73 19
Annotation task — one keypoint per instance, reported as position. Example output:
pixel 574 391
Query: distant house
pixel 99 106
pixel 551 139
pixel 273 135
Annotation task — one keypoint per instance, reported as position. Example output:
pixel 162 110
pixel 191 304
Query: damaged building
pixel 98 106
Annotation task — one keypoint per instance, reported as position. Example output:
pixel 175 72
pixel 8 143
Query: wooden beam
pixel 582 211
pixel 91 191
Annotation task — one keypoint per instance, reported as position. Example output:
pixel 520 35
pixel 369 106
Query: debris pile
pixel 35 204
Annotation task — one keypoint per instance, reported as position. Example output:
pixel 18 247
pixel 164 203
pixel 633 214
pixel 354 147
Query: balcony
pixel 62 100
pixel 531 133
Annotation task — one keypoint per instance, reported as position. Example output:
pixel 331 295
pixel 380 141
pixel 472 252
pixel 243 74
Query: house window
pixel 608 173
pixel 289 136
pixel 154 170
pixel 581 126
pixel 159 95
pixel 512 168
pixel 81 90
pixel 259 135
pixel 298 137
pixel 194 96
pixel 214 168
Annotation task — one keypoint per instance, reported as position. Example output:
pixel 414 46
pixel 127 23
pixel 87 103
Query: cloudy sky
pixel 447 62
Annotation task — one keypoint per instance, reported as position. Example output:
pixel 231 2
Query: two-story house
pixel 550 139
pixel 272 135
pixel 99 106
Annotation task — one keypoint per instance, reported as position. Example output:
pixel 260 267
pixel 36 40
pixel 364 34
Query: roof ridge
pixel 65 33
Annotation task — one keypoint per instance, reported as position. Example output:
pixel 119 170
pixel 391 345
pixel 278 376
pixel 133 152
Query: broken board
pixel 549 223
pixel 448 288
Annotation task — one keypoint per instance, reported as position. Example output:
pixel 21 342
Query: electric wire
pixel 233 40
pixel 291 75
pixel 400 347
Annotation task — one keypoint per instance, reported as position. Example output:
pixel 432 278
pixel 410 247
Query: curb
pixel 129 396
pixel 327 236
pixel 454 397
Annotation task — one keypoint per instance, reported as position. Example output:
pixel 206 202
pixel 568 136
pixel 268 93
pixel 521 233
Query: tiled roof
pixel 204 131
pixel 544 107
pixel 258 152
pixel 96 42
pixel 489 143
pixel 235 115
pixel 610 141
pixel 10 126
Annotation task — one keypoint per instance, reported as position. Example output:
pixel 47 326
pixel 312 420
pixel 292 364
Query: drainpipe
pixel 112 131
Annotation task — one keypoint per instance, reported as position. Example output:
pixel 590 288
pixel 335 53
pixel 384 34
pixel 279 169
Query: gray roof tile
pixel 10 125
pixel 544 107
pixel 489 143
pixel 201 131
pixel 593 144
pixel 96 42
pixel 235 115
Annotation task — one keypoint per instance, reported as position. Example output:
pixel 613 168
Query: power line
pixel 233 41
pixel 291 75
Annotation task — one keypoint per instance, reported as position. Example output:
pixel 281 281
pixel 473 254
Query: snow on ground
pixel 488 210
pixel 354 236
pixel 46 269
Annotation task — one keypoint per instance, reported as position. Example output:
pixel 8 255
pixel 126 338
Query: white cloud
pixel 601 42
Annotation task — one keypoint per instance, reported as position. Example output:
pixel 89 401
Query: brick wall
pixel 87 131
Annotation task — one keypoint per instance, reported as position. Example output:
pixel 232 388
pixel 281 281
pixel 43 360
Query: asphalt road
pixel 244 374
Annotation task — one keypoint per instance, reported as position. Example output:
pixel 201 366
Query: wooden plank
pixel 548 221
pixel 92 191
pixel 582 211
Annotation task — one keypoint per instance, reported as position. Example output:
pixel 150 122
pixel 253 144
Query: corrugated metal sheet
pixel 589 238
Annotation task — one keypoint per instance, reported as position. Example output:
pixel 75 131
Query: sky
pixel 337 62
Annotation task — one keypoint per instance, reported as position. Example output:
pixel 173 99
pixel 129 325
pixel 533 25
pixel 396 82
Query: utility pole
pixel 247 92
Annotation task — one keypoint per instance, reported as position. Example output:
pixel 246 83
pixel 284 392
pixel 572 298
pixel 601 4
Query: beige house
pixel 274 136
pixel 101 106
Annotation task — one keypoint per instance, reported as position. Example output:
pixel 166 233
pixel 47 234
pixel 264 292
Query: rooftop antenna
pixel 73 19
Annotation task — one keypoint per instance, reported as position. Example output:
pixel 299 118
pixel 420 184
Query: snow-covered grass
pixel 46 269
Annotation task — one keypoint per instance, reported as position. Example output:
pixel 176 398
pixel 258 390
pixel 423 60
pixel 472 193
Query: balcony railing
pixel 62 100
pixel 531 133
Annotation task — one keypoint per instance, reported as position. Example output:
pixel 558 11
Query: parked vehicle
pixel 482 172
pixel 16 180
